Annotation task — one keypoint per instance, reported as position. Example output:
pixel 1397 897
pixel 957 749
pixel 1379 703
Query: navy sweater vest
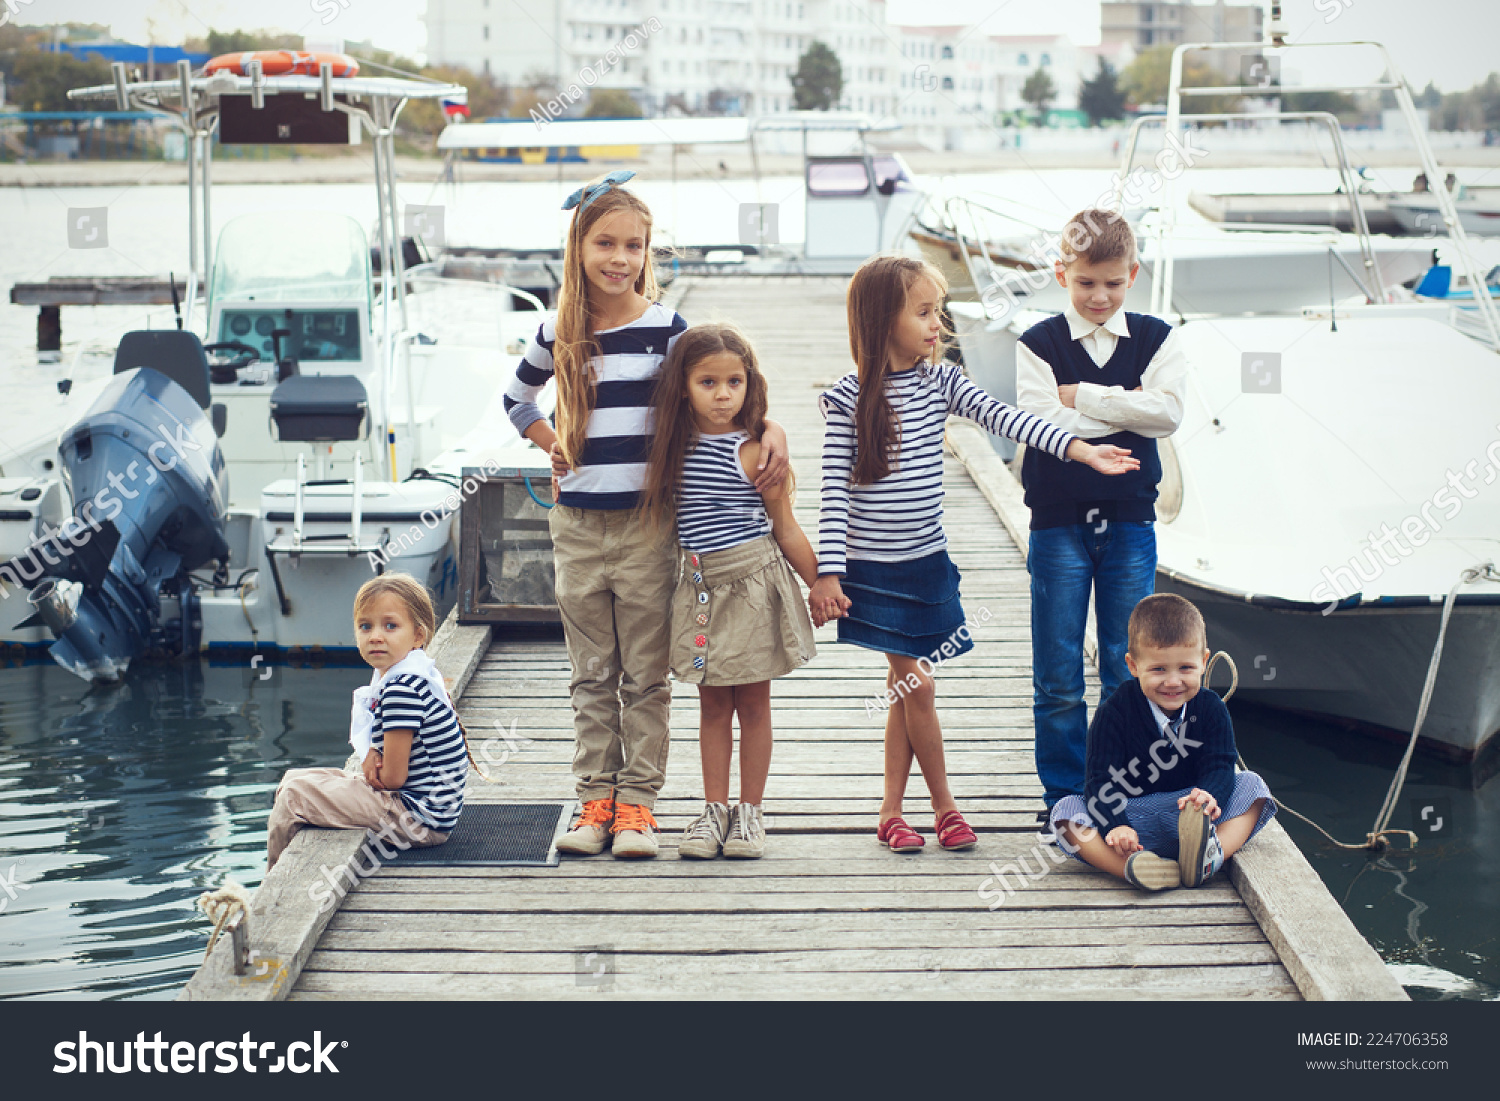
pixel 1060 493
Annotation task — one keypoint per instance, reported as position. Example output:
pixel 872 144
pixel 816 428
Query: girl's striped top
pixel 900 517
pixel 718 506
pixel 438 768
pixel 612 470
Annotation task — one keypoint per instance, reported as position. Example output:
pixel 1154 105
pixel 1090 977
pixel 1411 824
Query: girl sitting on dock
pixel 1162 805
pixel 738 620
pixel 880 535
pixel 414 756
pixel 614 577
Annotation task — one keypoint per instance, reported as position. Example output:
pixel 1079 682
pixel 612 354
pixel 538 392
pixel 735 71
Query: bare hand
pixel 560 465
pixel 372 763
pixel 1068 395
pixel 1109 459
pixel 1202 799
pixel 1123 840
pixel 775 458
pixel 827 601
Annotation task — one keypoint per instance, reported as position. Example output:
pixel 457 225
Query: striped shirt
pixel 438 768
pixel 612 470
pixel 900 517
pixel 718 506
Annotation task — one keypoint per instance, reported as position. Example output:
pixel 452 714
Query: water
pixel 119 805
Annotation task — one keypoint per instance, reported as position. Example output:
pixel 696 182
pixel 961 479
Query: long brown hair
pixel 575 346
pixel 675 429
pixel 877 296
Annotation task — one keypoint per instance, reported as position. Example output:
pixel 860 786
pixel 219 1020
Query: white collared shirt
pixel 1165 722
pixel 1155 410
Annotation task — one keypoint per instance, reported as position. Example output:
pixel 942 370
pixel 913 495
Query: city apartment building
pixel 1155 24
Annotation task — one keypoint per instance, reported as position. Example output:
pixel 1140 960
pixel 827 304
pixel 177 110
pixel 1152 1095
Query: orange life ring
pixel 282 63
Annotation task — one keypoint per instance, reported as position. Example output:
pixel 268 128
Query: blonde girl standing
pixel 883 566
pixel 738 619
pixel 614 576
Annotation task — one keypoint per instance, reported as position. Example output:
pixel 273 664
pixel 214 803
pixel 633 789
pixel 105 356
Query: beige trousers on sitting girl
pixel 333 798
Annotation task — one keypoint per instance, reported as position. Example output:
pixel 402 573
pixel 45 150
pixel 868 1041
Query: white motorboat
pixel 1334 479
pixel 232 493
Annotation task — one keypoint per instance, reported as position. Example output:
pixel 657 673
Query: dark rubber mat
pixel 516 834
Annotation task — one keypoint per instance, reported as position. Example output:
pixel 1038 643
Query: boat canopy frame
pixel 1276 45
pixel 191 103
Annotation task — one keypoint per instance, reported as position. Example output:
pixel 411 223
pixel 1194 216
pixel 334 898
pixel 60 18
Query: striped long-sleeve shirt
pixel 900 517
pixel 612 470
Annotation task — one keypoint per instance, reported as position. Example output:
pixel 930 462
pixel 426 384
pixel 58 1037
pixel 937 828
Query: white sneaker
pixel 705 834
pixel 590 833
pixel 1199 854
pixel 635 831
pixel 747 832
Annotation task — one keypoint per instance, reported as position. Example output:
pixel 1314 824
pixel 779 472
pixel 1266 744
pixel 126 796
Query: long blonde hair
pixel 575 346
pixel 877 296
pixel 676 431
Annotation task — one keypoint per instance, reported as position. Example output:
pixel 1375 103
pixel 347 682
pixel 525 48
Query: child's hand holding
pixel 372 764
pixel 827 600
pixel 559 465
pixel 1203 799
pixel 1123 840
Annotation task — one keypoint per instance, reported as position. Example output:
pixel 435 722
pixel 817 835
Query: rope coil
pixel 221 906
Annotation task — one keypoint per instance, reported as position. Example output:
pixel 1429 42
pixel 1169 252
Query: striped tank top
pixel 718 506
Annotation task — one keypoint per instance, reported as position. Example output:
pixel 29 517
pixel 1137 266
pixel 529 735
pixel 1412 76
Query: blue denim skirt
pixel 909 608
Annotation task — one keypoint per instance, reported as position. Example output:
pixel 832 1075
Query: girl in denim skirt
pixel 883 566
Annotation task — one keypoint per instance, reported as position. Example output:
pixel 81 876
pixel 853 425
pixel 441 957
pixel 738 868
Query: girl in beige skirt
pixel 738 617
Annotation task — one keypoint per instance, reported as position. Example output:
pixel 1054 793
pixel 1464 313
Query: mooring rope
pixel 221 905
pixel 1376 838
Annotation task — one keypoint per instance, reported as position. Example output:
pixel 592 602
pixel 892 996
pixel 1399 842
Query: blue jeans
pixel 1119 565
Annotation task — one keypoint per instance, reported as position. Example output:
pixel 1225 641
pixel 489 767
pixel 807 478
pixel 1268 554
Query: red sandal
pixel 899 836
pixel 954 833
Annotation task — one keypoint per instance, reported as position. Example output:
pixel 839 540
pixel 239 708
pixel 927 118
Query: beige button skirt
pixel 738 616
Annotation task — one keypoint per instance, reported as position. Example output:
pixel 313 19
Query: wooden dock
pixel 827 913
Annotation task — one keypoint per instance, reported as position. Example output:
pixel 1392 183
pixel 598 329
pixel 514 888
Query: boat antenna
pixel 176 308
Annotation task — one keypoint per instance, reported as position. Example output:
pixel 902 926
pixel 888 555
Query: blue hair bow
pixel 589 193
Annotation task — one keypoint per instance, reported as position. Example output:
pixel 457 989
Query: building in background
pixel 698 56
pixel 1155 24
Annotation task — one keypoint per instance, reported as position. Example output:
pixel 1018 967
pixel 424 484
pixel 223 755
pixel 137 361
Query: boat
pixel 228 480
pixel 1477 209
pixel 1328 208
pixel 1325 495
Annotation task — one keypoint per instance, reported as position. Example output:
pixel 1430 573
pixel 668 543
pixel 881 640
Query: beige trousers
pixel 333 798
pixel 615 580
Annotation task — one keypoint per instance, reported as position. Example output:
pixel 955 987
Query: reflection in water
pixel 119 804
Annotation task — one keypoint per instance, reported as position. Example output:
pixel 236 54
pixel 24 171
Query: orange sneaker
pixel 590 833
pixel 635 831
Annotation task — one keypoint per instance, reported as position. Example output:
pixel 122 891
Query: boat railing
pixel 1276 47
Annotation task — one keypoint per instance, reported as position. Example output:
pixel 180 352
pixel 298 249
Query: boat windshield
pixel 292 256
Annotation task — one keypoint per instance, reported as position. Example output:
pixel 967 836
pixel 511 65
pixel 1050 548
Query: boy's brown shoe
pixel 590 833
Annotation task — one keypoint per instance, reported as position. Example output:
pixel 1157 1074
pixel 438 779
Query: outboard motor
pixel 150 494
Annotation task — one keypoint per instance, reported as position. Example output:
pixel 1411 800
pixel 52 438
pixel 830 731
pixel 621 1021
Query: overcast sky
pixel 1449 42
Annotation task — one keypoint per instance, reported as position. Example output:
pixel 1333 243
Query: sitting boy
pixel 1160 783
